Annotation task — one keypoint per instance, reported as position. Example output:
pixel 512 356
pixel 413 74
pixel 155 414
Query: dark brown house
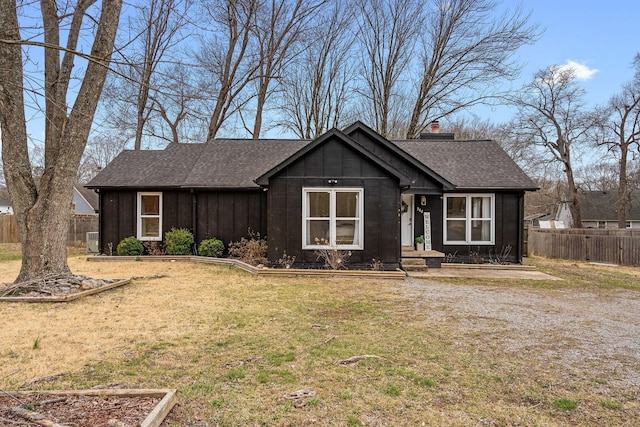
pixel 349 189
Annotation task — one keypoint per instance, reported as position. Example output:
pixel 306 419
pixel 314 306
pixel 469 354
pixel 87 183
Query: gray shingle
pixel 469 164
pixel 235 163
pixel 603 206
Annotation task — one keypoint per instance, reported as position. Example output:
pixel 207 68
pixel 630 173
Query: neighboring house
pixel 600 210
pixel 5 207
pixel 349 189
pixel 535 220
pixel 85 201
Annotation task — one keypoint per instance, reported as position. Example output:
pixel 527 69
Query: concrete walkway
pixel 483 271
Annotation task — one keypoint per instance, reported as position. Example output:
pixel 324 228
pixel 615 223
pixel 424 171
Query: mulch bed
pixel 66 409
pixel 75 411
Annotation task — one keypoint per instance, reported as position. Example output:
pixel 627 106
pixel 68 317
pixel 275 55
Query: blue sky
pixel 601 37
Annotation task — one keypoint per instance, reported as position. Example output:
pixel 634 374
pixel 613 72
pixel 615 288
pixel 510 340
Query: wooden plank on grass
pixel 69 297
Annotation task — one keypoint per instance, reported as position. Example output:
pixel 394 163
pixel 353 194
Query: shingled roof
pixel 221 163
pixel 236 163
pixel 470 165
pixel 603 206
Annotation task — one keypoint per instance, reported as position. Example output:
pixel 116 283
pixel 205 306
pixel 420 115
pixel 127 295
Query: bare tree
pixel 387 33
pixel 318 84
pixel 279 28
pixel 465 51
pixel 623 126
pixel 101 149
pixel 225 58
pixel 177 106
pixel 42 212
pixel 153 35
pixel 552 115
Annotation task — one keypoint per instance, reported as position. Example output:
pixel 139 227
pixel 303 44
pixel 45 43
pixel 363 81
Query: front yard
pixel 453 352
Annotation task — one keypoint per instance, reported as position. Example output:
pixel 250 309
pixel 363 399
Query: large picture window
pixel 469 219
pixel 332 218
pixel 150 216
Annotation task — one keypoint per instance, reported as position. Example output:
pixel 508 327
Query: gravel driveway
pixel 586 333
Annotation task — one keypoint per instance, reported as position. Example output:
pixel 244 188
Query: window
pixel 332 218
pixel 150 216
pixel 469 219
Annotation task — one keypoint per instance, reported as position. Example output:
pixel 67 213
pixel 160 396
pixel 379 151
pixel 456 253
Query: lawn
pixel 234 345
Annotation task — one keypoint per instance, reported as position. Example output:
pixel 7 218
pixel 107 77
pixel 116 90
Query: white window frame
pixel 468 220
pixel 332 217
pixel 140 216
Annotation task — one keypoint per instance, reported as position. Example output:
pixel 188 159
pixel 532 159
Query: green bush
pixel 130 246
pixel 211 247
pixel 178 241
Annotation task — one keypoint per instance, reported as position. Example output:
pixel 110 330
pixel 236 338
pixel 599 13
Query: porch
pixel 413 260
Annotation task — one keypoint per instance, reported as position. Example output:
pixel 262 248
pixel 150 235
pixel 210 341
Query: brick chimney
pixel 435 127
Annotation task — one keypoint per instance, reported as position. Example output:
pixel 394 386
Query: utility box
pixel 92 242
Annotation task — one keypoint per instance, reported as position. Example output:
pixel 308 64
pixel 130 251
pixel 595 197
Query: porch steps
pixel 413 260
pixel 414 264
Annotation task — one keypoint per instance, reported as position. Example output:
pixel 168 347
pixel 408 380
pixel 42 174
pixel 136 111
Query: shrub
pixel 211 247
pixel 153 248
pixel 130 246
pixel 252 250
pixel 178 241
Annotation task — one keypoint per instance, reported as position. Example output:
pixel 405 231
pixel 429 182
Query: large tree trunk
pixel 42 212
pixel 622 187
pixel 576 212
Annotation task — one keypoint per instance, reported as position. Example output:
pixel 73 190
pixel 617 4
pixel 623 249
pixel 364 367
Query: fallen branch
pixel 35 417
pixel 300 394
pixel 43 379
pixel 50 401
pixel 357 359
pixel 7 421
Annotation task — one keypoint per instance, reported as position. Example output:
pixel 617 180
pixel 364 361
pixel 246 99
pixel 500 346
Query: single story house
pixel 600 210
pixel 85 201
pixel 348 189
pixel 5 207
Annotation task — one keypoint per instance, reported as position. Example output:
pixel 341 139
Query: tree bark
pixel 42 212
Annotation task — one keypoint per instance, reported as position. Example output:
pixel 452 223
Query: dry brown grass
pixel 234 344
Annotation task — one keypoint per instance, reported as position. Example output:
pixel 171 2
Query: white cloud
pixel 580 71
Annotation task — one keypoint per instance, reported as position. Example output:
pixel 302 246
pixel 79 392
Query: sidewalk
pixel 484 271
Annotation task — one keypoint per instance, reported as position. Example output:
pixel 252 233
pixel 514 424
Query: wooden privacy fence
pixel 611 246
pixel 79 226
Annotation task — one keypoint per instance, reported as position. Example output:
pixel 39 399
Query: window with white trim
pixel 332 218
pixel 149 216
pixel 469 219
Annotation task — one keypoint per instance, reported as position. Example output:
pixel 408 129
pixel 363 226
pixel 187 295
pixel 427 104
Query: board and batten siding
pixel 335 161
pixel 226 215
pixel 508 225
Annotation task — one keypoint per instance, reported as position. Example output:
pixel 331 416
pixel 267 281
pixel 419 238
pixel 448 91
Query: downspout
pixel 194 218
pixel 100 228
pixel 520 227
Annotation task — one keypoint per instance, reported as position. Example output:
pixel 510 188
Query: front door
pixel 406 223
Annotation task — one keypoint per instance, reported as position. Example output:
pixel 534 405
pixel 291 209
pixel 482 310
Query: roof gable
pixel 334 133
pixel 359 127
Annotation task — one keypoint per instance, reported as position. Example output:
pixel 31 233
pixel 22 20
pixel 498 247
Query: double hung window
pixel 469 219
pixel 150 216
pixel 332 218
